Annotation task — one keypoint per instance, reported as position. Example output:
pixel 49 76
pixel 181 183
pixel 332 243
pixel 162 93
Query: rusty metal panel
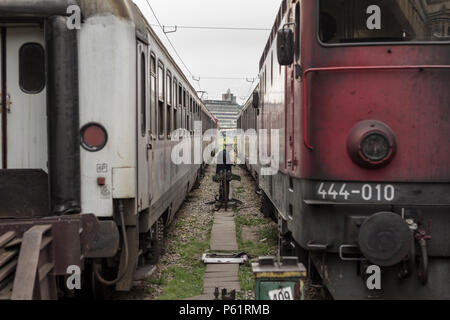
pixel 106 242
pixel 73 237
pixel 67 246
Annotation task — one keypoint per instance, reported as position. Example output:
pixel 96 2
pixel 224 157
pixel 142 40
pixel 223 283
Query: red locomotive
pixel 360 92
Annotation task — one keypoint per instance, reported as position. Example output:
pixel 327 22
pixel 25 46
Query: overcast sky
pixel 216 53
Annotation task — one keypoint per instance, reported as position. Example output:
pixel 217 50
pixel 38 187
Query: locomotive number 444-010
pixel 365 192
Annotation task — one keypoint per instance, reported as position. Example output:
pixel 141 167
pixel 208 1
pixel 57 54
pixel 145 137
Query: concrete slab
pixel 223 239
pixel 222 268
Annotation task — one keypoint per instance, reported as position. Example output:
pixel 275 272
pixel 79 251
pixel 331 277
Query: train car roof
pixel 248 102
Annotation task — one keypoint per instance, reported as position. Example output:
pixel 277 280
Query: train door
pixel 23 125
pixel 23 133
pixel 152 175
pixel 297 94
pixel 143 136
pixel 289 112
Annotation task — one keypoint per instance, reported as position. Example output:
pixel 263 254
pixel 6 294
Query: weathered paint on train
pixel 316 102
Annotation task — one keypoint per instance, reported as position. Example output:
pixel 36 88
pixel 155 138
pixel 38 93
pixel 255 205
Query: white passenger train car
pixel 86 130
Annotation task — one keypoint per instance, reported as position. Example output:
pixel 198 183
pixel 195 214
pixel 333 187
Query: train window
pixel 168 103
pixel 32 68
pixel 382 21
pixel 175 92
pixel 161 86
pixel 169 88
pixel 152 63
pixel 175 102
pixel 161 101
pixel 180 118
pixel 143 95
pixel 271 69
pixel 297 31
pixel 175 119
pixel 153 93
pixel 169 120
pixel 265 81
pixel 161 119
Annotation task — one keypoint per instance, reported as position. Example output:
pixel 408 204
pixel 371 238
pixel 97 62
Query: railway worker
pixel 225 164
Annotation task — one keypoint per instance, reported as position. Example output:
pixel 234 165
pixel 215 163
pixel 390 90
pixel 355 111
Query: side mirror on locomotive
pixel 285 46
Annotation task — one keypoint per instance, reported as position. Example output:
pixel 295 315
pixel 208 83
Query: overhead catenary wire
pixel 176 27
pixel 170 42
pixel 248 79
pixel 198 79
pixel 251 88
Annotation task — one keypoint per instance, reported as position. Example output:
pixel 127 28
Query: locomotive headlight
pixel 93 137
pixel 371 144
pixel 375 147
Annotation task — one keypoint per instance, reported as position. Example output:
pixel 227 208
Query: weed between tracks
pixel 183 277
pixel 265 245
pixel 256 235
pixel 179 273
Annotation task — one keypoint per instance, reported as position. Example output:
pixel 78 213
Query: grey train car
pixel 247 120
pixel 86 143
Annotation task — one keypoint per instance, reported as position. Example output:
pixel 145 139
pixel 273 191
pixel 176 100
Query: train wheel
pixel 157 249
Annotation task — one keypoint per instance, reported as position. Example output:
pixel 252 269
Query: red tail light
pixel 93 137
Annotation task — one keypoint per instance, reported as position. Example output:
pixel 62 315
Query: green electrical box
pixel 279 281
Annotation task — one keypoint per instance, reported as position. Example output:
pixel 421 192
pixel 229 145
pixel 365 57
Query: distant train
pixel 360 93
pixel 87 182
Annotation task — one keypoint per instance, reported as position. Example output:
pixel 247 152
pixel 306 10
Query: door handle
pixel 8 103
